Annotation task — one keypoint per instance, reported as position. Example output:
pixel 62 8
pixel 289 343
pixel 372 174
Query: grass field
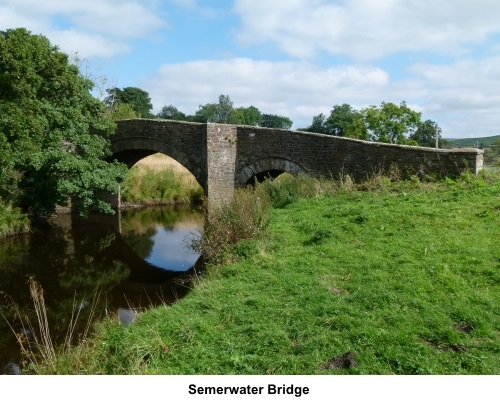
pixel 474 142
pixel 159 179
pixel 381 278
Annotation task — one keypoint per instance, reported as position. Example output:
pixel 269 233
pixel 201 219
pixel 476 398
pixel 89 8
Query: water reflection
pixel 132 262
pixel 160 238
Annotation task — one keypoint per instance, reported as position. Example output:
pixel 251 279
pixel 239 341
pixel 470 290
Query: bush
pixel 286 189
pixel 243 218
pixel 247 214
pixel 159 187
pixel 12 221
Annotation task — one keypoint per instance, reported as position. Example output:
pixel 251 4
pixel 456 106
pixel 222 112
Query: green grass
pixel 12 221
pixel 151 187
pixel 474 142
pixel 401 278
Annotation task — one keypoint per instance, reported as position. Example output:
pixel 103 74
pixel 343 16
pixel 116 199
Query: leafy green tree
pixel 425 135
pixel 206 113
pixel 275 121
pixel 138 99
pixel 216 112
pixel 245 116
pixel 223 112
pixel 391 123
pixel 346 121
pixel 318 125
pixel 342 121
pixel 170 112
pixel 357 129
pixel 48 126
pixel 120 111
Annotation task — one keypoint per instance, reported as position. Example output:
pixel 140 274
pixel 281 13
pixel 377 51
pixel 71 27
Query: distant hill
pixel 473 142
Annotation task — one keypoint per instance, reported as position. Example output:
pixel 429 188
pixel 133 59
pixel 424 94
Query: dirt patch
pixel 343 362
pixel 456 347
pixel 463 327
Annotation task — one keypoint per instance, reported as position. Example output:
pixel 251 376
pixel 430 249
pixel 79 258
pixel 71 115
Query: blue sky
pixel 296 58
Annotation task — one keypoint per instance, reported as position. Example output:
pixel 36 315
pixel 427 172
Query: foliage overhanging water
pixel 133 260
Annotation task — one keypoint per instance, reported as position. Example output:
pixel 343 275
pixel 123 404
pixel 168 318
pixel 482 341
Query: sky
pixel 296 58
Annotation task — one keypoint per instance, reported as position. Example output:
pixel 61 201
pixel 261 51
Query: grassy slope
pixel 159 179
pixel 472 142
pixel 407 280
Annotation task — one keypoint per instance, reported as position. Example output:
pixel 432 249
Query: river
pixel 103 265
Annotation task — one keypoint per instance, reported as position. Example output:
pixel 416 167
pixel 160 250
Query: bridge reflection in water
pixel 103 265
pixel 153 244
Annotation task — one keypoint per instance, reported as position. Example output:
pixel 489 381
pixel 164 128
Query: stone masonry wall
pixel 221 163
pixel 185 142
pixel 222 157
pixel 324 155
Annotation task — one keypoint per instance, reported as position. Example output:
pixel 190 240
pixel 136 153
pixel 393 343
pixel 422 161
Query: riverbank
pixel 12 221
pixel 154 181
pixel 381 278
pixel 159 180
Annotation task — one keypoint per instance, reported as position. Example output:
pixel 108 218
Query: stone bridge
pixel 224 157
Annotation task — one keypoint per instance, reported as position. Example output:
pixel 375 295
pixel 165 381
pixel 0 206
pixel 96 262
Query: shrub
pixel 243 218
pixel 12 221
pixel 159 187
pixel 286 188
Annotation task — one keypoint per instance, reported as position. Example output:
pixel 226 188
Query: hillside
pixel 474 142
pixel 391 278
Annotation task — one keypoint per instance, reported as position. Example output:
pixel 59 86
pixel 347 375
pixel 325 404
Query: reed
pixel 38 350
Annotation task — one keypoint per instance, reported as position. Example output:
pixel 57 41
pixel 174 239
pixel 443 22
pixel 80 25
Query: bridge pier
pixel 223 157
pixel 221 164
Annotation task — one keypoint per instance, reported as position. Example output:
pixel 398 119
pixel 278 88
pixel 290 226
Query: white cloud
pixel 294 89
pixel 86 45
pixel 367 29
pixel 91 27
pixel 460 93
pixel 463 97
pixel 466 94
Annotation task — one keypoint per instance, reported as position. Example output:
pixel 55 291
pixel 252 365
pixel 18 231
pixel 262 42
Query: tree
pixel 120 111
pixel 346 121
pixel 169 112
pixel 48 126
pixel 425 135
pixel 317 126
pixel 275 121
pixel 217 112
pixel 138 99
pixel 342 121
pixel 391 123
pixel 245 116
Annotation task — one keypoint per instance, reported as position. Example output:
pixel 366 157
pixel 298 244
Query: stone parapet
pixel 224 157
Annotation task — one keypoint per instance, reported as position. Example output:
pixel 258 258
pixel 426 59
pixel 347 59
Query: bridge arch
pixel 132 150
pixel 269 167
pixel 223 157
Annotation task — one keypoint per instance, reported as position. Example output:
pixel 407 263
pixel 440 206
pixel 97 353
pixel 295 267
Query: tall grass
pixel 399 279
pixel 150 187
pixel 247 215
pixel 12 221
pixel 35 339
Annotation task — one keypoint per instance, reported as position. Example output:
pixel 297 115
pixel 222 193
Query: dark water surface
pixel 130 261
